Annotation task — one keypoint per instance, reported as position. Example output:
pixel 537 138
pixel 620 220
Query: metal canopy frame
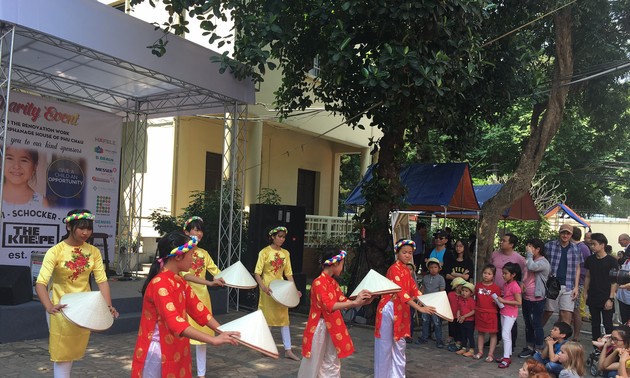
pixel 71 62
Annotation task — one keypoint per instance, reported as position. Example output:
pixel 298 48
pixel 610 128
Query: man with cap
pixel 440 238
pixel 565 259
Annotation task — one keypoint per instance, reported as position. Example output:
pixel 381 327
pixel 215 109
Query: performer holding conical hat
pixel 196 277
pixel 273 263
pixel 162 348
pixel 69 265
pixel 393 315
pixel 326 338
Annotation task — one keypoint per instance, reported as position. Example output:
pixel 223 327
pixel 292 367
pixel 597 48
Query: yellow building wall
pixel 193 138
pixel 283 151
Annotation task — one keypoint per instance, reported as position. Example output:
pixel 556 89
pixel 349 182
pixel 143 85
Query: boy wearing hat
pixel 466 319
pixel 432 283
pixel 454 328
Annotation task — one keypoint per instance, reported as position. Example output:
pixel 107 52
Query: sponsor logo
pixel 105 141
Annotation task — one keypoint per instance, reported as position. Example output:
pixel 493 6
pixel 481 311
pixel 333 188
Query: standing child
pixel 432 283
pixel 392 317
pixel 163 346
pixel 511 299
pixel 454 328
pixel 466 319
pixel 486 322
pixel 572 359
pixel 196 278
pixel 274 263
pixel 322 351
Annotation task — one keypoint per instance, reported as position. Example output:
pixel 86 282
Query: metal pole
pixel 5 89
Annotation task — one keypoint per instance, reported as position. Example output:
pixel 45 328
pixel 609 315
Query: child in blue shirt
pixel 560 332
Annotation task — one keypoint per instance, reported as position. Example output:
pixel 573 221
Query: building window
pixel 314 71
pixel 307 190
pixel 213 171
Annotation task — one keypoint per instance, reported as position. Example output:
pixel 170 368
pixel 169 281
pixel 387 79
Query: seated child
pixel 454 328
pixel 432 283
pixel 560 332
pixel 466 319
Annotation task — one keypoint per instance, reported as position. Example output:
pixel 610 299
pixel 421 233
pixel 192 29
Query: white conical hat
pixel 376 284
pixel 440 301
pixel 237 276
pixel 88 310
pixel 255 333
pixel 285 293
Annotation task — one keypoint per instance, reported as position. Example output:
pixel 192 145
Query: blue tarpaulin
pixel 568 211
pixel 430 187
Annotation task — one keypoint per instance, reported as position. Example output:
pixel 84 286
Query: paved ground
pixel 110 356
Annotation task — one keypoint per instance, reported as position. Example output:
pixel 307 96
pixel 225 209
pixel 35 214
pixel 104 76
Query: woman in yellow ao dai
pixel 273 263
pixel 69 264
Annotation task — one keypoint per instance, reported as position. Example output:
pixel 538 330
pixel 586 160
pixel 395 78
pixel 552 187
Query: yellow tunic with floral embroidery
pixel 70 268
pixel 202 262
pixel 272 265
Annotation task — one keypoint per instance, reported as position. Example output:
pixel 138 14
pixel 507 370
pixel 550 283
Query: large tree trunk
pixel 545 122
pixel 382 196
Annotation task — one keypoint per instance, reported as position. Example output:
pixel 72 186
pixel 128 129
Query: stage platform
pixel 28 321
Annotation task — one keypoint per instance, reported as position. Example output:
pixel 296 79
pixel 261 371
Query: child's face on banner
pixel 19 166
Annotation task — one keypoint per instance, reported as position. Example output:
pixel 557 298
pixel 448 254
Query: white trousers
pixel 507 322
pixel 389 355
pixel 200 350
pixel 62 369
pixel 286 337
pixel 323 361
pixel 153 362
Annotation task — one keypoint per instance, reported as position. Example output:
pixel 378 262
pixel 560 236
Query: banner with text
pixel 58 157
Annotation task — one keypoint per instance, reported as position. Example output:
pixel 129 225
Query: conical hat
pixel 255 333
pixel 88 310
pixel 237 276
pixel 440 301
pixel 285 293
pixel 376 284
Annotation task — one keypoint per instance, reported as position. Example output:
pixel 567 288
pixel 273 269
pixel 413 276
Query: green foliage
pixel 269 196
pixel 526 230
pixel 203 204
pixel 350 174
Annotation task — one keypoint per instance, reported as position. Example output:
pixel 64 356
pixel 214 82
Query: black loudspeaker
pixel 262 218
pixel 15 285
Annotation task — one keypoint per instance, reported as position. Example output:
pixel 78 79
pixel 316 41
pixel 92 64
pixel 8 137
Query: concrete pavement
pixel 110 356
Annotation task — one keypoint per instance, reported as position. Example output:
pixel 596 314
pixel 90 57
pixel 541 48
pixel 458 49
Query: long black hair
pixel 515 269
pixel 78 223
pixel 537 243
pixel 165 246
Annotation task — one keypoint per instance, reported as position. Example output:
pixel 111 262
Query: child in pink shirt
pixel 511 299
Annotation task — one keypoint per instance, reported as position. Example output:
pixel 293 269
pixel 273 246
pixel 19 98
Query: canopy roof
pixel 568 211
pixel 430 187
pixel 522 209
pixel 93 54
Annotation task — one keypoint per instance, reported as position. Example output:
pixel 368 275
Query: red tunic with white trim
pixel 325 292
pixel 400 275
pixel 167 301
